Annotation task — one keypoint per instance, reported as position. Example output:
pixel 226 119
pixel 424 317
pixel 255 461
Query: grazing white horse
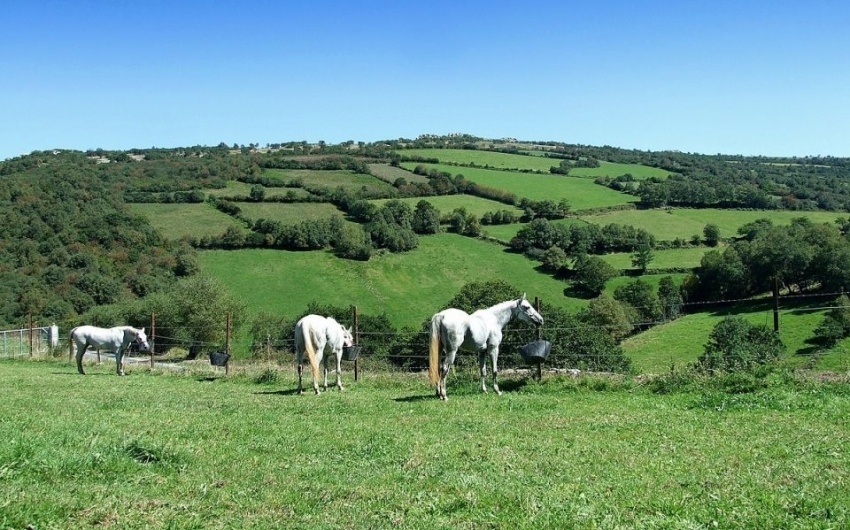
pixel 313 334
pixel 453 329
pixel 116 339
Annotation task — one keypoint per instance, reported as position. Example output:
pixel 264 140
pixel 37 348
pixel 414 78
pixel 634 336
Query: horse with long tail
pixel 117 339
pixel 454 329
pixel 314 334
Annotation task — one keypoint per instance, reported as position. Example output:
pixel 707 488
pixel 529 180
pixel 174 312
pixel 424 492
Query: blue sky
pixel 732 77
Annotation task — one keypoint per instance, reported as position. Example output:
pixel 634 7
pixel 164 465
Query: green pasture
pixel 448 203
pixel 581 193
pixel 202 450
pixel 233 188
pixel 289 213
pixel 390 173
pixel 652 279
pixel 176 220
pixel 507 232
pixel 496 160
pixel 688 257
pixel 615 169
pixel 669 224
pixel 332 179
pixel 409 287
pixel 682 341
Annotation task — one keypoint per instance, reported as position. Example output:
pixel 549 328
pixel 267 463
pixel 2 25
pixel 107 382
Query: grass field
pixel 331 179
pixel 687 222
pixel 289 213
pixel 408 287
pixel 389 174
pixel 157 451
pixel 448 203
pixel 508 161
pixel 681 341
pixel 662 259
pixel 178 220
pixel 580 192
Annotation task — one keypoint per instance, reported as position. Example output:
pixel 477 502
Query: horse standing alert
pixel 453 329
pixel 313 334
pixel 116 339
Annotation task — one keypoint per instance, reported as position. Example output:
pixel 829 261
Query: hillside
pixel 345 225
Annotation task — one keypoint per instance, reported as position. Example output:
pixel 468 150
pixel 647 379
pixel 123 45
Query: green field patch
pixel 176 220
pixel 507 232
pixel 615 169
pixel 536 162
pixel 689 257
pixel 390 174
pixel 580 192
pixel 348 180
pixel 289 213
pixel 684 223
pixel 683 340
pixel 448 203
pixel 409 287
pixel 233 188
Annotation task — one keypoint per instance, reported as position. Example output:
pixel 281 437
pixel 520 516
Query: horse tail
pixel 434 349
pixel 71 344
pixel 311 351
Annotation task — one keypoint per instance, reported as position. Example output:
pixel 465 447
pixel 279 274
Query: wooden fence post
pixel 153 335
pixel 356 342
pixel 31 336
pixel 537 331
pixel 227 346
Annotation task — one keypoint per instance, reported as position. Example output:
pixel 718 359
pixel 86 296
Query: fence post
pixel 227 346
pixel 31 336
pixel 537 332
pixel 356 342
pixel 775 304
pixel 153 335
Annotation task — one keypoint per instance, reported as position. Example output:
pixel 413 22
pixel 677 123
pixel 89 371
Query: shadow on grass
pixel 287 392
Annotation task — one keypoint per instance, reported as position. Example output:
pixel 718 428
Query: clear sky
pixel 715 76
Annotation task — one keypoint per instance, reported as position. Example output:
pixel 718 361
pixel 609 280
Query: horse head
pixel 347 337
pixel 525 311
pixel 143 340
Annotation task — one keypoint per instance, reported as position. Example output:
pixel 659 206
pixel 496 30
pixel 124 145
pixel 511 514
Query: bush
pixel 736 345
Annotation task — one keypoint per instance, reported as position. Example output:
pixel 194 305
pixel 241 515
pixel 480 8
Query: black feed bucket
pixel 536 352
pixel 218 358
pixel 350 353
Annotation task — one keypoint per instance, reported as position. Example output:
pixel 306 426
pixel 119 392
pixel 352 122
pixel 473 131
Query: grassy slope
pixel 178 220
pixel 686 222
pixel 448 203
pixel 169 451
pixel 409 287
pixel 534 163
pixel 580 192
pixel 289 213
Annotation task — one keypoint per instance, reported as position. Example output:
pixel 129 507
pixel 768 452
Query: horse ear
pixel 522 298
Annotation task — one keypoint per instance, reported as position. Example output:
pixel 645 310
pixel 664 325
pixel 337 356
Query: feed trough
pixel 536 351
pixel 350 353
pixel 218 358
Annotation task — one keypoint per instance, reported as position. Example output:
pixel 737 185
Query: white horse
pixel 116 339
pixel 453 329
pixel 313 334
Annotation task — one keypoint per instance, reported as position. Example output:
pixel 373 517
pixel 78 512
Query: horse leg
pixel 494 357
pixel 325 371
pixel 444 372
pixel 119 361
pixel 482 368
pixel 339 371
pixel 81 351
pixel 300 366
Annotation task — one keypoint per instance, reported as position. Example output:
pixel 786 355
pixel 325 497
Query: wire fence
pixel 409 349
